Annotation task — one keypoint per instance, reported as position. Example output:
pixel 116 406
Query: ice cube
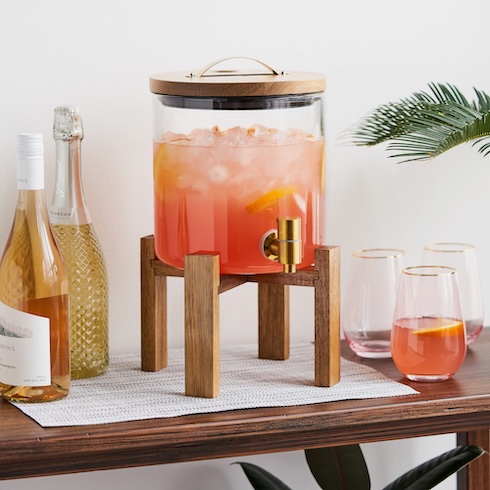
pixel 218 173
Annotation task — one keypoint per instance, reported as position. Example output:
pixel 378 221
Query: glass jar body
pixel 226 168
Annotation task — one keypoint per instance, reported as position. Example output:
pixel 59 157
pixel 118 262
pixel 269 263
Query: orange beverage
pixel 428 348
pixel 221 191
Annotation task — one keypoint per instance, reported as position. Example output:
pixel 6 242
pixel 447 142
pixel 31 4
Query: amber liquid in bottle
pixel 33 287
pixel 76 236
pixel 88 299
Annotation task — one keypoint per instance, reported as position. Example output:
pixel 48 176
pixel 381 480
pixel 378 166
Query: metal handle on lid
pixel 202 73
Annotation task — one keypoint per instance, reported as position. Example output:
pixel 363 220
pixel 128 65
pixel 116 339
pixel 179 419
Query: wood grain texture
pixel 477 474
pixel 237 85
pixel 461 404
pixel 274 325
pixel 202 355
pixel 327 316
pixel 153 311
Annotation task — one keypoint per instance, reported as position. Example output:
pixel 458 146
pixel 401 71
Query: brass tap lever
pixel 285 245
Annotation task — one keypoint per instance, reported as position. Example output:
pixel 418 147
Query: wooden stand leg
pixel 273 321
pixel 327 316
pixel 475 476
pixel 201 284
pixel 153 311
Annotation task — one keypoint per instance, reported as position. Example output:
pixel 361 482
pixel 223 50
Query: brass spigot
pixel 284 245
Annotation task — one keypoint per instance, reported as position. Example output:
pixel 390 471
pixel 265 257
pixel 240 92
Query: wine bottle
pixel 34 305
pixel 75 232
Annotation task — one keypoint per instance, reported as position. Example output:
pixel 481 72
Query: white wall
pixel 98 55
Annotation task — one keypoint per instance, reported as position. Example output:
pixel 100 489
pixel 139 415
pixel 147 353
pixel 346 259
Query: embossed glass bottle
pixel 74 230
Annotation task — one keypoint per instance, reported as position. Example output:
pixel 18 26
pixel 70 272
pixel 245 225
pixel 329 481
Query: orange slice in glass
pixel 268 198
pixel 440 327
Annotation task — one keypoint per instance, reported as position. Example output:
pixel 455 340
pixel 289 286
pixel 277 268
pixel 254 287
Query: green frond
pixel 483 101
pixel 386 122
pixel 429 142
pixel 426 124
pixel 485 149
pixel 447 94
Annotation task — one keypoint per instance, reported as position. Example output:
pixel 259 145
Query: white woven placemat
pixel 126 393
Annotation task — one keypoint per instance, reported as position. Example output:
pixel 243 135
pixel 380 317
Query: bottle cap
pixel 30 161
pixel 67 123
pixel 30 145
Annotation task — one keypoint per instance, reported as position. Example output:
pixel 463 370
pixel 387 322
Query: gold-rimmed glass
pixel 428 341
pixel 462 257
pixel 369 300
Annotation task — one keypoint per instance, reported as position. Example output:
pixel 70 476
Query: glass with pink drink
pixel 226 167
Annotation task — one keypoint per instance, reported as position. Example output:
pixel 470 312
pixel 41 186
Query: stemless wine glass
pixel 370 300
pixel 461 257
pixel 428 341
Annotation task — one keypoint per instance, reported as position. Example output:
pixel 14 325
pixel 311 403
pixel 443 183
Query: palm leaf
pixel 429 141
pixel 262 479
pixel 447 94
pixel 387 121
pixel 339 468
pixel 432 472
pixel 483 101
pixel 425 125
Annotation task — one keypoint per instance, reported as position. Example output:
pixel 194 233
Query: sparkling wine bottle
pixel 74 230
pixel 34 306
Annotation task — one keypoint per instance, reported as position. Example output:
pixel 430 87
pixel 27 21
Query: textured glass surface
pixel 88 291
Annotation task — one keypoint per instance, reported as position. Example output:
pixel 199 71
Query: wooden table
pixel 460 405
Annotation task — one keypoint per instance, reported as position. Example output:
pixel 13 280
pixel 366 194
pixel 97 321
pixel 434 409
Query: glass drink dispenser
pixel 235 150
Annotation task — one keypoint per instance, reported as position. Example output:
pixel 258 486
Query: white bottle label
pixel 25 358
pixel 30 173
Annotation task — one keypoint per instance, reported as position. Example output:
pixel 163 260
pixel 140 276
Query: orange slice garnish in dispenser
pixel 268 198
pixel 440 327
pixel 160 157
pixel 159 160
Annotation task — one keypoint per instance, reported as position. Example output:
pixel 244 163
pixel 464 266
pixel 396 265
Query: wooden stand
pixel 202 286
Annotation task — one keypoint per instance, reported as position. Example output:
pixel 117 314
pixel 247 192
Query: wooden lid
pixel 210 82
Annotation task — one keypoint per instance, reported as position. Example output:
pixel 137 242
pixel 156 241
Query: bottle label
pixel 25 358
pixel 69 216
pixel 30 173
